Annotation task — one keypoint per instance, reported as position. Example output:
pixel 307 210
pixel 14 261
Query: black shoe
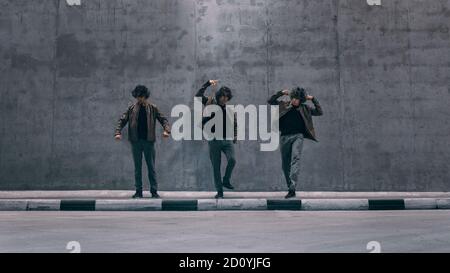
pixel 290 194
pixel 227 184
pixel 219 195
pixel 138 194
pixel 155 195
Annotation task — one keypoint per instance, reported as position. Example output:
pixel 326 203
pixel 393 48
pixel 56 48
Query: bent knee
pixel 232 161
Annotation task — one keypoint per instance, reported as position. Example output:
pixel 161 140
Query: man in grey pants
pixel 295 125
pixel 225 145
pixel 141 118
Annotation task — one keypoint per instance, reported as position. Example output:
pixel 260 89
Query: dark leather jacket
pixel 305 110
pixel 131 115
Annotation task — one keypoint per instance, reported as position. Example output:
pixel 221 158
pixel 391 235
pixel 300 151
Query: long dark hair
pixel 140 91
pixel 299 93
pixel 224 91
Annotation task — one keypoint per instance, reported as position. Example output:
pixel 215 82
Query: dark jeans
pixel 216 147
pixel 291 153
pixel 148 149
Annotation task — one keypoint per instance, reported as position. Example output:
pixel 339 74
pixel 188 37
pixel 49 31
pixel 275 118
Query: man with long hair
pixel 222 144
pixel 141 118
pixel 295 124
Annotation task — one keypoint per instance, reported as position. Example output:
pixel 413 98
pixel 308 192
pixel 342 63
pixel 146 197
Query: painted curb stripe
pixel 44 205
pixel 425 203
pixel 443 203
pixel 206 204
pixel 212 204
pixel 386 204
pixel 77 205
pixel 242 204
pixel 128 205
pixel 284 204
pixel 13 205
pixel 179 205
pixel 335 204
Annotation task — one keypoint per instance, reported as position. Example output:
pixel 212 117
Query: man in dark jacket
pixel 141 118
pixel 217 146
pixel 295 124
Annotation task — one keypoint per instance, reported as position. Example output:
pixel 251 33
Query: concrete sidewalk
pixel 192 201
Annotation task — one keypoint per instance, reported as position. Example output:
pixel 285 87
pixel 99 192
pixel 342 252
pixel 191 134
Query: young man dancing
pixel 225 145
pixel 295 124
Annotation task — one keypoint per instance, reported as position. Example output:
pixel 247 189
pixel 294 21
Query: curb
pixel 223 204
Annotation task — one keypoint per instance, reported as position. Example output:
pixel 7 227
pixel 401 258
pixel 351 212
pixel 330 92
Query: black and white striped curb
pixel 222 204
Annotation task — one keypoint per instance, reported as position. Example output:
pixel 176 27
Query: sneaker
pixel 155 195
pixel 226 184
pixel 138 194
pixel 290 194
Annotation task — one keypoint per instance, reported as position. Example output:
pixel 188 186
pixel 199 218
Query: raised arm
pixel 201 91
pixel 273 100
pixel 317 109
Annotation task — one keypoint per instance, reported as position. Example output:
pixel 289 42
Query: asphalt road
pixel 223 231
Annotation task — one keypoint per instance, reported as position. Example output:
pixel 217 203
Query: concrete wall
pixel 382 74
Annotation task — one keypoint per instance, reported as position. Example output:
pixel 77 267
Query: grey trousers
pixel 291 151
pixel 148 149
pixel 216 147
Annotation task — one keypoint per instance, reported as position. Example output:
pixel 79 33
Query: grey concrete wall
pixel 381 74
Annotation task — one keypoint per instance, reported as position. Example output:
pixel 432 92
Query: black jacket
pixel 305 110
pixel 211 100
pixel 131 115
